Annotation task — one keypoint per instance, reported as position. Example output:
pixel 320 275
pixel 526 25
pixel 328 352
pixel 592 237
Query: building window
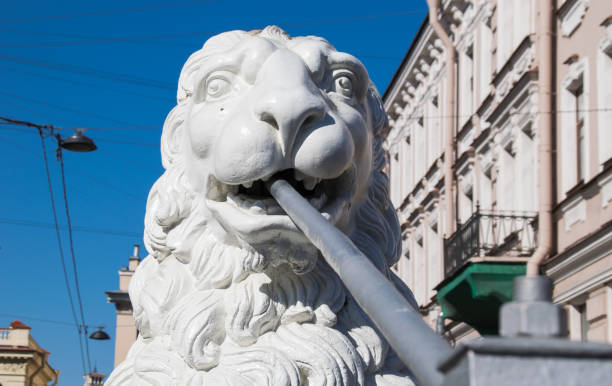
pixel 419 150
pixel 395 177
pixel 574 122
pixel 433 132
pixel 486 60
pixel 407 179
pixel 434 259
pixel 420 267
pixel 581 150
pixel 514 23
pixel 604 98
pixel 466 85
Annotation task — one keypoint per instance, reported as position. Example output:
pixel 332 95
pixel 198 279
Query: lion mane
pixel 212 313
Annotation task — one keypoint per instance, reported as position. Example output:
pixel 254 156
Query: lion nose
pixel 290 111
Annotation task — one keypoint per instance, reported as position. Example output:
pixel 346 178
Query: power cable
pixel 79 36
pixel 74 265
pixel 85 84
pixel 37 319
pixel 155 42
pixel 75 228
pixel 86 175
pixel 61 249
pixel 104 12
pixel 95 179
pixel 87 71
pixel 70 109
pixel 71 128
pixel 209 32
pixel 146 144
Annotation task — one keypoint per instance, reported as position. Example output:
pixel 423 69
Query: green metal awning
pixel 475 294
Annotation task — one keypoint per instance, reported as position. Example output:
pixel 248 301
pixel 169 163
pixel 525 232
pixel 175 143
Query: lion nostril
pixel 269 119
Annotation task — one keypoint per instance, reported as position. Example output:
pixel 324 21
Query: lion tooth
pixel 257 207
pixel 310 182
pixel 298 175
pixel 248 184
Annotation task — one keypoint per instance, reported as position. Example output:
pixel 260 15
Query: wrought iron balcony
pixel 490 234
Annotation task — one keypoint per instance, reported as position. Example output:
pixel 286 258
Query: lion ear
pixel 171 136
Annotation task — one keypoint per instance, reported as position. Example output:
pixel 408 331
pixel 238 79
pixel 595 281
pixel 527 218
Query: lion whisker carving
pixel 232 292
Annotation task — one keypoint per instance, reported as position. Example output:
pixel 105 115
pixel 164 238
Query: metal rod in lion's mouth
pixel 403 327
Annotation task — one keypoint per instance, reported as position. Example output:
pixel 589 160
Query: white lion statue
pixel 232 292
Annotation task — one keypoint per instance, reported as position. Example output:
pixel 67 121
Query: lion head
pixel 232 292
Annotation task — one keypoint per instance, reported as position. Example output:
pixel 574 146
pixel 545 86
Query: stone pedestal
pixel 528 361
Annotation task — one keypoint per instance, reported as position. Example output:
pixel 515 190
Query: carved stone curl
pixel 232 293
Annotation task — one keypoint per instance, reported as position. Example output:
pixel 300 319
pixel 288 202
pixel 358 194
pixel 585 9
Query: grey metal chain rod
pixel 415 343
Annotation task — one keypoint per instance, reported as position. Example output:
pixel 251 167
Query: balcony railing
pixel 490 234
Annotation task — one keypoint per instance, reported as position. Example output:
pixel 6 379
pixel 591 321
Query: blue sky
pixel 115 64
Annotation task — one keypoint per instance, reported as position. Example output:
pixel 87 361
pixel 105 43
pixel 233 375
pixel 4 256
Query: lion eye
pixel 344 85
pixel 217 87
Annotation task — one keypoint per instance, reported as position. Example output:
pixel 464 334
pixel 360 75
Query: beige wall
pixel 582 265
pixel 125 335
pixel 125 328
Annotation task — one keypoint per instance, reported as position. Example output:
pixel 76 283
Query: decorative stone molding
pixel 606 190
pixel 571 14
pixel 605 44
pixel 574 77
pixel 519 63
pixel 574 212
pixel 505 139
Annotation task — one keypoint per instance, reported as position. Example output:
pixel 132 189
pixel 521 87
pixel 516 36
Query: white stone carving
pixel 232 293
pixel 606 191
pixel 574 212
pixel 572 14
pixel 521 65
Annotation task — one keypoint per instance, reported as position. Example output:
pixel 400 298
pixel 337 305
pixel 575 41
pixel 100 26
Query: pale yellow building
pixel 22 360
pixel 125 329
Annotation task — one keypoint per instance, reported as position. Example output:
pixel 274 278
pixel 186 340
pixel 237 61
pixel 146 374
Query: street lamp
pixel 99 334
pixel 78 142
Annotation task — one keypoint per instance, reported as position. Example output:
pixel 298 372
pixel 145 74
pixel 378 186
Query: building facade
pixel 125 328
pixel 500 146
pixel 22 361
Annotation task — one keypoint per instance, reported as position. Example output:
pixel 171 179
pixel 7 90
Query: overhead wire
pixel 77 111
pixel 91 37
pixel 44 320
pixel 61 249
pixel 75 228
pixel 104 12
pixel 86 84
pixel 77 171
pixel 209 32
pixel 87 71
pixel 84 128
pixel 70 238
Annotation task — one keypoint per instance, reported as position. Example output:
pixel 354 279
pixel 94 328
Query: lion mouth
pixel 254 198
